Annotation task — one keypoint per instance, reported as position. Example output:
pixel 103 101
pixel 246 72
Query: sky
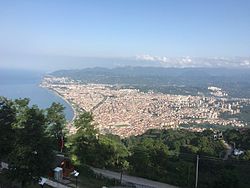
pixel 56 34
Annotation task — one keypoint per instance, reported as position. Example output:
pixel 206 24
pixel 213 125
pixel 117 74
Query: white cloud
pixel 187 61
pixel 145 57
pixel 246 62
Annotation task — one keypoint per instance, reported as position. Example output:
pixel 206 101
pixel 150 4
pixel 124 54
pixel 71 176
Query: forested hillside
pixel 30 138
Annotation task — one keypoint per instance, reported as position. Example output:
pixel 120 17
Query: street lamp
pixel 76 174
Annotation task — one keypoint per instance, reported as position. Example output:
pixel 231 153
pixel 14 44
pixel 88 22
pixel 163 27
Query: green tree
pixel 83 143
pixel 246 155
pixel 140 160
pixel 84 124
pixel 56 123
pixel 29 152
pixel 189 149
pixel 149 158
pixel 232 136
pixel 89 147
pixel 207 146
pixel 32 154
pixel 111 153
pixel 7 119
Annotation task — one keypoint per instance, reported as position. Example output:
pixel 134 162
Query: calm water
pixel 20 84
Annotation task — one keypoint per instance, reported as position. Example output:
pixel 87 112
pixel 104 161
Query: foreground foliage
pixel 26 140
pixel 162 155
pixel 29 135
pixel 89 147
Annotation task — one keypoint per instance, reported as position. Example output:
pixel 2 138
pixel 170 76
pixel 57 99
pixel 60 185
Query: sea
pixel 15 84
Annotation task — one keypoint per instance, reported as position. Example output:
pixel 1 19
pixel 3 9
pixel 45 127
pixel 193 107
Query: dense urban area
pixel 127 112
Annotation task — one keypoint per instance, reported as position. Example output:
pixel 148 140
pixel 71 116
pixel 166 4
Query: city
pixel 127 112
pixel 119 94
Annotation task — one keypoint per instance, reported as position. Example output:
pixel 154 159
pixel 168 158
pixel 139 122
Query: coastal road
pixel 139 182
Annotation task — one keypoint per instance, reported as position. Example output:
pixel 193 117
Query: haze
pixel 50 35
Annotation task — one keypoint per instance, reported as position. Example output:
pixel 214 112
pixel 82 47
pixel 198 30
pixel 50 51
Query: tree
pixel 227 179
pixel 84 124
pixel 139 160
pixel 232 136
pixel 246 155
pixel 30 151
pixel 7 118
pixel 189 149
pixel 89 147
pixel 32 155
pixel 56 123
pixel 111 153
pixel 83 143
pixel 149 158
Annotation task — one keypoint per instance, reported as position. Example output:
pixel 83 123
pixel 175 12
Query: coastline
pixel 68 102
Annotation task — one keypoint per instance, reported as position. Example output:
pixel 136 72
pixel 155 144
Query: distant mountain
pixel 235 81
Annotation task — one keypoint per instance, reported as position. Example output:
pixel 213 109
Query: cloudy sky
pixel 55 34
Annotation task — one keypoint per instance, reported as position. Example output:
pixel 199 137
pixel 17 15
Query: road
pixel 100 103
pixel 139 182
pixel 54 184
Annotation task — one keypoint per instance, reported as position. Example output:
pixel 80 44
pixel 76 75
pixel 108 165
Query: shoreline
pixel 71 105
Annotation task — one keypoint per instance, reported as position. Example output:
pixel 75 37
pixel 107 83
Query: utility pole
pixel 188 175
pixel 76 181
pixel 121 176
pixel 76 174
pixel 197 171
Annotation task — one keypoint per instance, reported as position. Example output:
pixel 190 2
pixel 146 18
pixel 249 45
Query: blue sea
pixel 25 84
